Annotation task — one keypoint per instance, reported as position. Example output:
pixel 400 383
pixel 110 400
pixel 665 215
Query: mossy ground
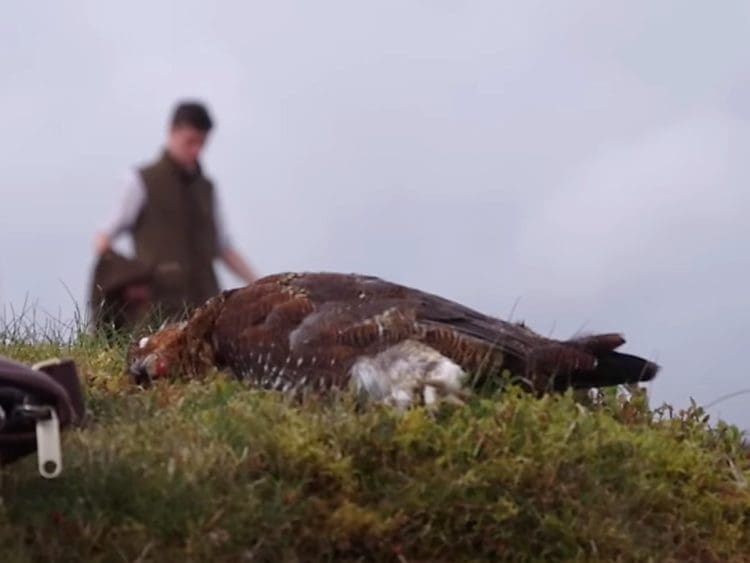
pixel 215 471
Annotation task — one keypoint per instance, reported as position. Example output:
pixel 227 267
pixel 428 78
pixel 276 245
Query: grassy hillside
pixel 218 472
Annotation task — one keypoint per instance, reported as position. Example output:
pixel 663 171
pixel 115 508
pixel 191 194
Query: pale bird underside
pixel 316 332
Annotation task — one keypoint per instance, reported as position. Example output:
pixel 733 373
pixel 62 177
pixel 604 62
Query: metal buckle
pixel 34 412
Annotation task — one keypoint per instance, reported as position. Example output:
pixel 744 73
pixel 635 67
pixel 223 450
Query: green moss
pixel 218 472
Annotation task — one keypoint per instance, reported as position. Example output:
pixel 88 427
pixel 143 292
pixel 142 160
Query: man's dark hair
pixel 193 114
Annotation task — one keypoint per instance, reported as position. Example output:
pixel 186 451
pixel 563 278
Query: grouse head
pixel 177 349
pixel 159 355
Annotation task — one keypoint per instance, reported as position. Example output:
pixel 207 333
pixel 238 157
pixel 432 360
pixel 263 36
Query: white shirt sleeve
pixel 131 202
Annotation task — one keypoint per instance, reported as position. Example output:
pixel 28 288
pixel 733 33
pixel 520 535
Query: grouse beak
pixel 138 372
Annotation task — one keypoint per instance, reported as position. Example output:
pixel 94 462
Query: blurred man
pixel 172 211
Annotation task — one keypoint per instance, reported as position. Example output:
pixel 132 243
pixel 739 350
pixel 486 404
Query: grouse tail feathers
pixel 592 361
pixel 615 368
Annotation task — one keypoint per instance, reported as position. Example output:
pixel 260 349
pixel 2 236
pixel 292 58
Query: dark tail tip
pixel 616 368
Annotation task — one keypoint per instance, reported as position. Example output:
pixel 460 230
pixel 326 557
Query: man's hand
pixel 237 264
pixel 102 242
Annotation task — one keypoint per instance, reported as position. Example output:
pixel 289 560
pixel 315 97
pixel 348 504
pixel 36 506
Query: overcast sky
pixel 582 164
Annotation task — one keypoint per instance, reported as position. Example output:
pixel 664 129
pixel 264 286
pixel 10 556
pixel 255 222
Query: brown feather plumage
pixel 298 331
